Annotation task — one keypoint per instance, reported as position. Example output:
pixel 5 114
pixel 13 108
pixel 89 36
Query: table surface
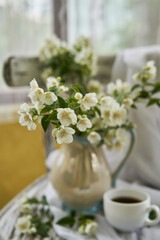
pixel 10 212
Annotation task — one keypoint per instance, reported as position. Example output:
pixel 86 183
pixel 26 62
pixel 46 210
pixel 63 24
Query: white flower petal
pixel 52 82
pixel 66 116
pixel 83 124
pixel 94 137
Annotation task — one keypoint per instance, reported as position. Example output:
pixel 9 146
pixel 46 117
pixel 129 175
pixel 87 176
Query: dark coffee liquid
pixel 126 200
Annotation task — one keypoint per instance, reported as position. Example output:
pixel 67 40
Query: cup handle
pixel 149 221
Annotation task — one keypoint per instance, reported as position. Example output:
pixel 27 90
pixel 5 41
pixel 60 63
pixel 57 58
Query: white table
pixel 41 186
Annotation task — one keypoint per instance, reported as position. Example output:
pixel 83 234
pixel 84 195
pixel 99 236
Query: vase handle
pixel 118 169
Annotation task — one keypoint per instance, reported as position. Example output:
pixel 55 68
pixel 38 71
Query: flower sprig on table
pixel 36 219
pixel 99 117
pixel 72 63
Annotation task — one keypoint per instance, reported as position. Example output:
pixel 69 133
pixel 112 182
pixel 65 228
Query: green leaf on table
pixel 32 200
pixel 84 218
pixel 62 103
pixel 46 109
pixel 44 200
pixel 42 229
pixel 45 123
pixel 153 101
pixel 66 221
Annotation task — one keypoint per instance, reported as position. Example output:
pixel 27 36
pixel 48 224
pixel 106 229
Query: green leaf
pixel 46 109
pixel 33 111
pixel 66 221
pixel 78 88
pixel 153 101
pixel 135 86
pixel 62 103
pixel 42 229
pixel 73 213
pixel 54 89
pixel 44 200
pixel 156 88
pixel 98 111
pixel 32 201
pixel 120 97
pixel 44 123
pixel 74 105
pixel 53 116
pixel 133 106
pixel 84 218
pixel 143 94
pixel 75 89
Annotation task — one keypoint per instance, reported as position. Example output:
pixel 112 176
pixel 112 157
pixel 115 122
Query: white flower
pixel 39 106
pixel 121 139
pixel 83 124
pixel 106 115
pixel 91 228
pixel 136 77
pixel 81 229
pixel 24 108
pixel 34 85
pixel 23 224
pixel 118 115
pixel 127 102
pixel 64 135
pixel 50 48
pixel 32 230
pixel 47 72
pixel 52 82
pixel 152 71
pixel 113 114
pixel 107 101
pixel 66 116
pixel 26 120
pixel 63 89
pixel 23 200
pixel 94 137
pixel 78 96
pixel 95 86
pixel 54 132
pixel 89 100
pixel 49 98
pixel 37 95
pixel 117 87
pixel 25 208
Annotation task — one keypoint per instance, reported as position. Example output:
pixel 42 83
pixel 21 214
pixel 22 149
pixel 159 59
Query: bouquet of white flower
pixel 72 63
pixel 99 117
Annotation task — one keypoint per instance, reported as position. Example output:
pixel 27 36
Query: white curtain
pixel 115 25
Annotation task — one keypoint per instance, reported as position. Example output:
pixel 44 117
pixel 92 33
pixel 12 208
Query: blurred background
pixel 24 25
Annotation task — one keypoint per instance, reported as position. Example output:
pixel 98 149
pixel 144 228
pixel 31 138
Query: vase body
pixel 80 175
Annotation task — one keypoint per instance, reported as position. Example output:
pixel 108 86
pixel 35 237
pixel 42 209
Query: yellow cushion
pixel 22 158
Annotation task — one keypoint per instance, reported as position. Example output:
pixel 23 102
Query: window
pixel 24 24
pixel 115 24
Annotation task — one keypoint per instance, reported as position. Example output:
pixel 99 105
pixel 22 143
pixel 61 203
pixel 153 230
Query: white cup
pixel 129 216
